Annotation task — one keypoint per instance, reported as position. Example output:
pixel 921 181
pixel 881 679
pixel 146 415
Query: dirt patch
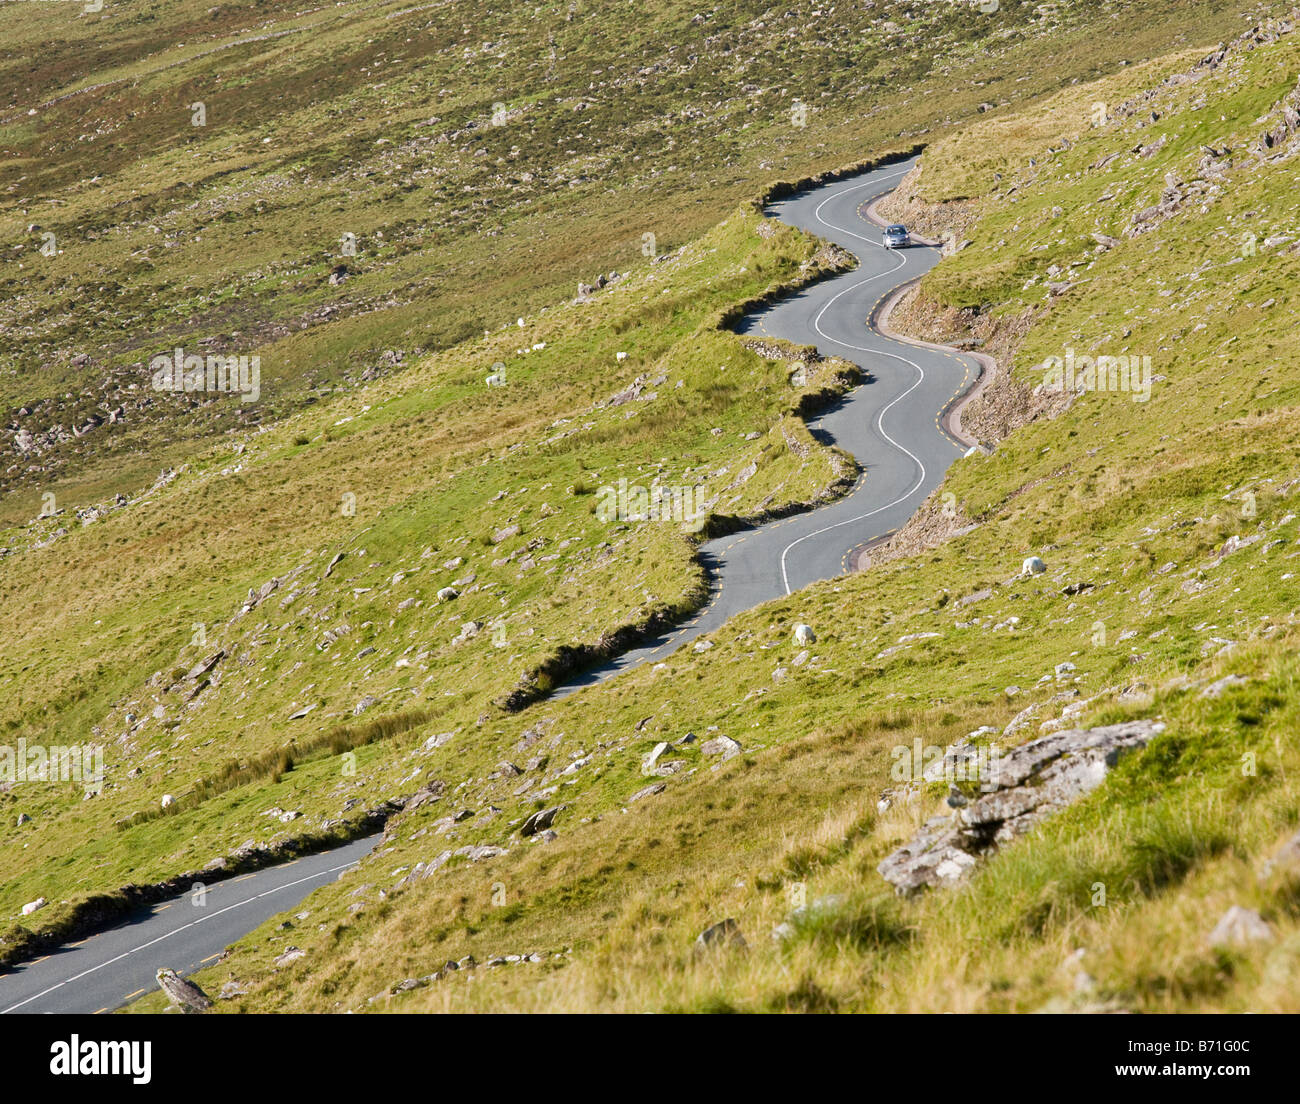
pixel 938 221
pixel 938 520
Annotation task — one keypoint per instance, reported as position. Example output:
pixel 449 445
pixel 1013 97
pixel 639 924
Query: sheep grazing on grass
pixel 1033 566
pixel 446 594
pixel 803 634
pixel 496 379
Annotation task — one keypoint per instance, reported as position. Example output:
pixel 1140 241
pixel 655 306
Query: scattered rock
pixel 291 954
pixel 725 933
pixel 721 745
pixel 1021 788
pixel 1286 860
pixel 427 794
pixel 819 909
pixel 540 820
pixel 505 533
pixel 1240 927
pixel 1217 688
pixel 205 666
pixel 649 762
pixel 648 791
pixel 182 992
pixel 468 631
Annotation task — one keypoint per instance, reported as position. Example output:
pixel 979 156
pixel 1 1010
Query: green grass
pixel 1108 492
pixel 378 122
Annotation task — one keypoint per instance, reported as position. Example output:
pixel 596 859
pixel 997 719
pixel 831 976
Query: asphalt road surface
pixel 891 424
pixel 115 966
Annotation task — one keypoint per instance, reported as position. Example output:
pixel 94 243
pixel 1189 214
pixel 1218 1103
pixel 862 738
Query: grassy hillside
pixel 260 633
pixel 435 481
pixel 1169 533
pixel 335 187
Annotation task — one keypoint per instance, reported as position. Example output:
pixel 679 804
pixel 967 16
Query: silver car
pixel 895 237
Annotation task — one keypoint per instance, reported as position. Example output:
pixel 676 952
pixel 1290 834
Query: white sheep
pixel 497 379
pixel 803 634
pixel 446 594
pixel 1033 566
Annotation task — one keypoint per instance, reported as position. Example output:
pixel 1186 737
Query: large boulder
pixel 1020 789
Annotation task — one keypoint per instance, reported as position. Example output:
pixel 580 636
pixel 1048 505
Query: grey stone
pixel 1021 788
pixel 1240 927
pixel 540 820
pixel 1286 860
pixel 721 745
pixel 725 933
pixel 182 992
pixel 648 791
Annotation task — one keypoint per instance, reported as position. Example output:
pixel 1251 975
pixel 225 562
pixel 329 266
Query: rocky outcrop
pixel 1021 788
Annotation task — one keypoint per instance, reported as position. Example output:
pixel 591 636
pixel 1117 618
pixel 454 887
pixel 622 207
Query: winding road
pixel 187 932
pixel 892 424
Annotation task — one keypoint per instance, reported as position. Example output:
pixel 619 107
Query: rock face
pixel 1021 788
